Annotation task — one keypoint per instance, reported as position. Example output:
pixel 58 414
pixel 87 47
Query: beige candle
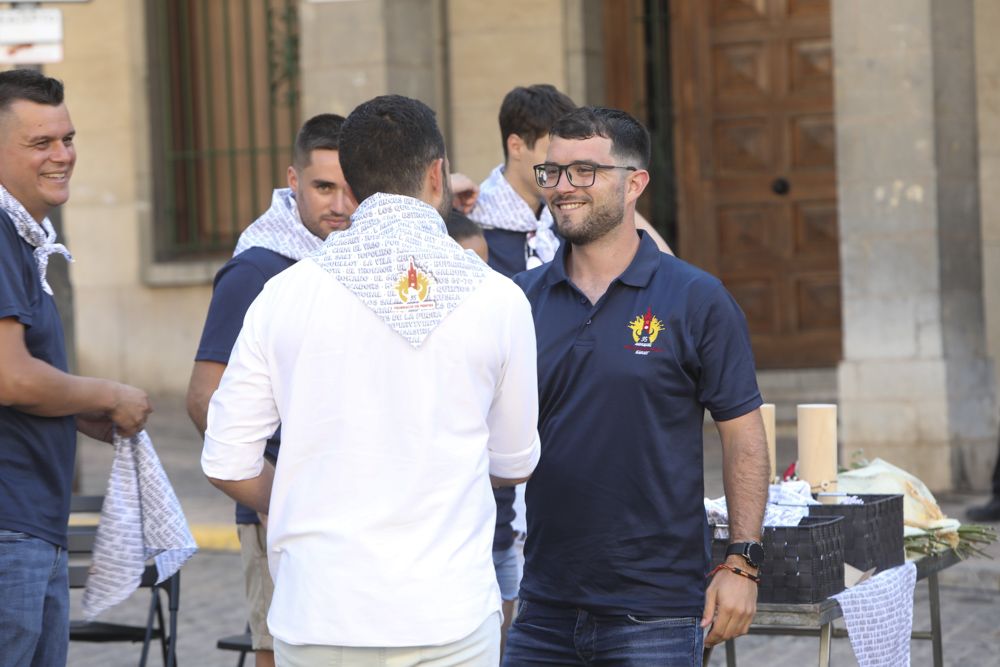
pixel 767 414
pixel 817 427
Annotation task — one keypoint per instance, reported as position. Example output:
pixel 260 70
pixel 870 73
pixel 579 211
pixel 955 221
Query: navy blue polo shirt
pixel 36 453
pixel 508 250
pixel 236 286
pixel 616 521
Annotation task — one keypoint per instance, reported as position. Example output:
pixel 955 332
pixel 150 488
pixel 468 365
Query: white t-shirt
pixel 381 519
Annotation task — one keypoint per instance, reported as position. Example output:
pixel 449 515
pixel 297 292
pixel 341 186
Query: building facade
pixel 831 161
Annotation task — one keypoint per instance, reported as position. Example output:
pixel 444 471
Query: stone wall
pixel 126 329
pixel 459 56
pixel 916 386
pixel 988 107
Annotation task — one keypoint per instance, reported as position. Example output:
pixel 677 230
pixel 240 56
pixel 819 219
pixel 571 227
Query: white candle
pixel 817 428
pixel 767 414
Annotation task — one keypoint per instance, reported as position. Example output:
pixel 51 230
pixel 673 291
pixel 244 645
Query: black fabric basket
pixel 802 564
pixel 873 532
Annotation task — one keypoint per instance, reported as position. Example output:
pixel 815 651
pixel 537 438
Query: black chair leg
pixel 243 654
pixel 154 607
pixel 163 628
pixel 174 602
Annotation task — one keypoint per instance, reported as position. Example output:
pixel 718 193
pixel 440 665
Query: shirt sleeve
pixel 242 414
pixel 514 446
pixel 236 286
pixel 14 298
pixel 728 382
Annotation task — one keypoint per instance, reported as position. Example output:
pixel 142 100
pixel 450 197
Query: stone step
pixel 788 388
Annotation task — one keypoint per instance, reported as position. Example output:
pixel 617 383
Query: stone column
pixel 988 105
pixel 353 51
pixel 916 384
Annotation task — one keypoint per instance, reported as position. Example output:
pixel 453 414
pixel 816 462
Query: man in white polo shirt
pixel 402 371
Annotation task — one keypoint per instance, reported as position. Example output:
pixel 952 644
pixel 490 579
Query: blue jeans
pixel 34 602
pixel 507 564
pixel 546 635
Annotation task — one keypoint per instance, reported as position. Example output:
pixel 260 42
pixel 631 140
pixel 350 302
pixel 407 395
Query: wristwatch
pixel 752 552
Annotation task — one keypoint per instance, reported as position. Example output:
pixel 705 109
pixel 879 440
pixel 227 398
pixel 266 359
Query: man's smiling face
pixel 37 155
pixel 583 215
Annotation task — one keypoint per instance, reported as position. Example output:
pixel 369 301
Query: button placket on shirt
pixel 585 334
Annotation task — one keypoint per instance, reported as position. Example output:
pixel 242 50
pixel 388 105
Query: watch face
pixel 755 554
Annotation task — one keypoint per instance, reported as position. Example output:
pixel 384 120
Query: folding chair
pixel 242 643
pixel 81 546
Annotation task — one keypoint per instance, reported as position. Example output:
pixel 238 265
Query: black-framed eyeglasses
pixel 580 174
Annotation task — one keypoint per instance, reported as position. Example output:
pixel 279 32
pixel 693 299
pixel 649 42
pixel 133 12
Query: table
pixel 817 619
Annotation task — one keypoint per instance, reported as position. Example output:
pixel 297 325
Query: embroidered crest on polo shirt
pixel 413 287
pixel 645 329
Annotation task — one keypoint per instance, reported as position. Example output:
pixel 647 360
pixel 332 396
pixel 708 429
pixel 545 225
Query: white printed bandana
pixel 40 236
pixel 141 518
pixel 280 229
pixel 500 207
pixel 398 259
pixel 878 614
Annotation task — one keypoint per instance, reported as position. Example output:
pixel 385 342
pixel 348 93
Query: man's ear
pixel 636 184
pixel 293 179
pixel 515 146
pixel 434 179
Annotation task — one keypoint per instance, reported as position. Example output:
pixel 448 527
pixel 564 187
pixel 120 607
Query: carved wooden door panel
pixel 753 91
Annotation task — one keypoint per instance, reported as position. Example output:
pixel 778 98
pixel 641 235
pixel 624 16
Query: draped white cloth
pixel 141 519
pixel 878 613
pixel 787 504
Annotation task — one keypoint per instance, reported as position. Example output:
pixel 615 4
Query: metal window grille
pixel 225 105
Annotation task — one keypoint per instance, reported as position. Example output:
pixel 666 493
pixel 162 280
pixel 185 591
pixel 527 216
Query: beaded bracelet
pixel 743 573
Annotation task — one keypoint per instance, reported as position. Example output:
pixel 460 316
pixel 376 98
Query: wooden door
pixel 753 93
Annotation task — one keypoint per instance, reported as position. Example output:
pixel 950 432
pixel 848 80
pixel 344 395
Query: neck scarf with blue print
pixel 39 235
pixel 280 229
pixel 500 207
pixel 397 258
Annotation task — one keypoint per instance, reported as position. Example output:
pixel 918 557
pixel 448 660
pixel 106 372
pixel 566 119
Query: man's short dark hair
pixel 320 132
pixel 530 111
pixel 629 138
pixel 386 145
pixel 460 227
pixel 29 85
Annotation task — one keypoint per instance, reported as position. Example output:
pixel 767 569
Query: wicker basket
pixel 873 532
pixel 802 564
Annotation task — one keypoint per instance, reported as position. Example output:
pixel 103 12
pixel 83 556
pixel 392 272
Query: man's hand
pixel 730 604
pixel 131 408
pixel 464 192
pixel 98 427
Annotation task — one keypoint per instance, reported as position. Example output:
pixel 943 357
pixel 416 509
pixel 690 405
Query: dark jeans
pixel 34 602
pixel 546 635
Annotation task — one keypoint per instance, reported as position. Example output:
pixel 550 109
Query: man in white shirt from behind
pixel 398 407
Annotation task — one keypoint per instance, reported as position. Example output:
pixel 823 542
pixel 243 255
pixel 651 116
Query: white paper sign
pixel 30 26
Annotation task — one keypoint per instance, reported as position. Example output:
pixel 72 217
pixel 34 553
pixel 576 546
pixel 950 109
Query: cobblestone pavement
pixel 212 589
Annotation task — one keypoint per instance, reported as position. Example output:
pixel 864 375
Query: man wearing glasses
pixel 633 346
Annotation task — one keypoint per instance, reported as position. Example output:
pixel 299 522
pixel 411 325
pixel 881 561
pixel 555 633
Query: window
pixel 225 110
